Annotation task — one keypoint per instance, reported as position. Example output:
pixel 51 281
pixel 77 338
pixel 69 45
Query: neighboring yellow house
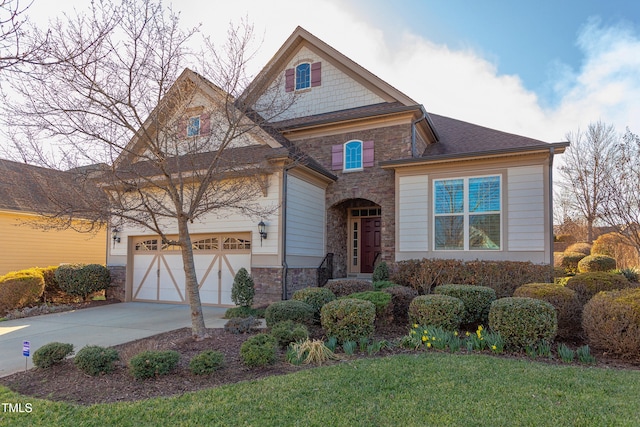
pixel 23 244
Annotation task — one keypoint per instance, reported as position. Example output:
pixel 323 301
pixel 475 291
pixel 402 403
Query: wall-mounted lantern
pixel 262 227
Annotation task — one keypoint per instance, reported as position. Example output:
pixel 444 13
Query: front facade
pixel 380 179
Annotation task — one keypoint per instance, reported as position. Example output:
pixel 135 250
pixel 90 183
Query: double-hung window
pixel 467 213
pixel 193 126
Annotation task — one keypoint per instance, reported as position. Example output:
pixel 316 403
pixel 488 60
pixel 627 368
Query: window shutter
pixel 182 128
pixel 367 154
pixel 205 124
pixel 336 157
pixel 316 74
pixel 289 80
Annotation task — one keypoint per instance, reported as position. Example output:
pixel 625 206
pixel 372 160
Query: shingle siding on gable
pixel 332 91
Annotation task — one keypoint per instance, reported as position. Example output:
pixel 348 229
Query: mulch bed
pixel 64 382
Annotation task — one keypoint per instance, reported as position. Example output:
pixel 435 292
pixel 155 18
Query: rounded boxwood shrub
pixel 153 363
pixel 315 297
pixel 562 298
pixel 206 362
pixel 243 289
pixel 436 310
pixel 383 284
pixel 523 322
pixel 20 288
pixel 570 261
pixel 50 354
pixel 581 247
pixel 348 319
pixel 401 297
pixel 476 300
pixel 95 360
pixel 344 287
pixel 611 321
pixel 259 350
pixel 297 311
pixel 596 263
pixel 381 300
pixel 82 279
pixel 289 331
pixel 587 285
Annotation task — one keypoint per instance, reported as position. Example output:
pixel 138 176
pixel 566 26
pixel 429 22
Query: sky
pixel 539 68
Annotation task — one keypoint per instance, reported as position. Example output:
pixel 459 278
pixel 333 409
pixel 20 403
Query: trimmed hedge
pixel 153 363
pixel 51 287
pixel 523 322
pixel 348 319
pixel 502 276
pixel 562 298
pixel 95 360
pixel 51 354
pixel 20 288
pixel 586 285
pixel 570 261
pixel 436 310
pixel 259 350
pixel 581 247
pixel 206 362
pixel 345 287
pixel 611 321
pixel 596 263
pixel 83 279
pixel 297 311
pixel 315 297
pixel 476 299
pixel 381 300
pixel 401 297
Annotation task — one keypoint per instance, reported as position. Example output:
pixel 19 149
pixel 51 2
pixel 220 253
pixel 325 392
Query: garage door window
pixel 232 243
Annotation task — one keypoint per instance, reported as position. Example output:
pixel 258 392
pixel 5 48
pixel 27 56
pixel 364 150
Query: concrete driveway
pixel 105 325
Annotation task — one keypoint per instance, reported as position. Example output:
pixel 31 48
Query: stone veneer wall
pixel 268 285
pixel 118 281
pixel 299 278
pixel 372 184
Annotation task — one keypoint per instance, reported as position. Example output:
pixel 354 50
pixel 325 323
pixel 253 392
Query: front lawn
pixel 422 389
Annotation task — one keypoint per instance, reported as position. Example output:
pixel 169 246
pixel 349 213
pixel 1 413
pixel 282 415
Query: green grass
pixel 409 390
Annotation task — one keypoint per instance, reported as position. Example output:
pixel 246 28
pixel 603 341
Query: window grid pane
pixel 193 129
pixel 353 155
pixel 449 232
pixel 484 194
pixel 449 196
pixel 303 76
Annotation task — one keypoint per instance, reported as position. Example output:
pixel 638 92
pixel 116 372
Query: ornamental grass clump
pixel 298 311
pixel 51 354
pixel 611 321
pixel 564 300
pixel 476 300
pixel 596 263
pixel 523 322
pixel 95 360
pixel 436 310
pixel 310 352
pixel 348 319
pixel 259 350
pixel 586 285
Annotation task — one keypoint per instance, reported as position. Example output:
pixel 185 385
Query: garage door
pixel 158 274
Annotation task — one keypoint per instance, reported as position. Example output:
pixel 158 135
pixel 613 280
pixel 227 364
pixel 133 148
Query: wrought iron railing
pixel 325 270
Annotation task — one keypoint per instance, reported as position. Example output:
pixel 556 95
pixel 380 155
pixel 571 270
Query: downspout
pixel 413 134
pixel 551 153
pixel 285 267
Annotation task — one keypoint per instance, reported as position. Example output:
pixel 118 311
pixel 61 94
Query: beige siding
pixel 413 213
pixel 338 91
pixel 305 219
pixel 24 246
pixel 526 209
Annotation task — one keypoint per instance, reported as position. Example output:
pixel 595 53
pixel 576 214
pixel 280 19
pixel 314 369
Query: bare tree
pixel 623 190
pixel 588 167
pixel 114 95
pixel 11 32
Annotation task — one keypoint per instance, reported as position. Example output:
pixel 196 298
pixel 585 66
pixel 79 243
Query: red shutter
pixel 205 124
pixel 336 157
pixel 182 129
pixel 367 154
pixel 316 74
pixel 289 80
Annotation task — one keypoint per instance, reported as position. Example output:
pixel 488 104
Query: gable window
pixel 353 155
pixel 303 76
pixel 193 126
pixel 467 213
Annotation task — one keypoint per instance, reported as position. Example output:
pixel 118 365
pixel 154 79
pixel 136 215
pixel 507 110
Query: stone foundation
pixel 299 278
pixel 118 281
pixel 268 285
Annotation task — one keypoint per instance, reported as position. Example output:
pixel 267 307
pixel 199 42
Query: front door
pixel 370 243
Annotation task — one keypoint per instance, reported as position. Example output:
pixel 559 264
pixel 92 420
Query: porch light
pixel 262 227
pixel 115 236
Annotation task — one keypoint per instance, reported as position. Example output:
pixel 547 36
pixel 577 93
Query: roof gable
pixel 343 83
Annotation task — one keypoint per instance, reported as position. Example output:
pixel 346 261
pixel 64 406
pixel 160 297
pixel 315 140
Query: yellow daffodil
pixel 424 338
pixel 493 347
pixel 429 344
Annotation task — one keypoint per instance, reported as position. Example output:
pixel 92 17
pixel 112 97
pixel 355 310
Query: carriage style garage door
pixel 158 274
